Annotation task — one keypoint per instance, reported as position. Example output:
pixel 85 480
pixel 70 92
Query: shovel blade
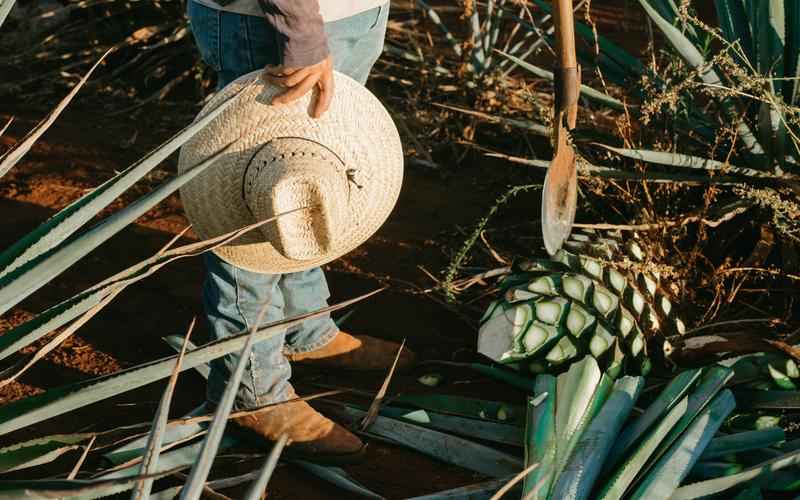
pixel 559 198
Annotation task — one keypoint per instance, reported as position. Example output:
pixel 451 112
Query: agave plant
pixel 752 81
pixel 595 296
pixel 581 434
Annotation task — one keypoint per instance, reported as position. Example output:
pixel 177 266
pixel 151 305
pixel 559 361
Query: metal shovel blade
pixel 559 196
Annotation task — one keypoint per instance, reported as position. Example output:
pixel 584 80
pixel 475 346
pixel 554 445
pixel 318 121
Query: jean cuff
pixel 251 403
pixel 321 342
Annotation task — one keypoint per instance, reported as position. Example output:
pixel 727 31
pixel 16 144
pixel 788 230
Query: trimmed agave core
pixel 554 311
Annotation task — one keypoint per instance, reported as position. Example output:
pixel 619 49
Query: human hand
pixel 299 81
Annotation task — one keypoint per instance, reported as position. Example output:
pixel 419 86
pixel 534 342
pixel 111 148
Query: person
pixel 298 44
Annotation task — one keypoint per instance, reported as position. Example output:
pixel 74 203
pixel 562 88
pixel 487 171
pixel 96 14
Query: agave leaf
pixel 689 161
pixel 173 434
pixel 485 430
pixel 733 22
pixel 791 87
pixel 586 461
pixel 465 407
pixel 338 477
pixel 540 438
pixel 695 59
pixel 59 315
pixel 671 395
pixel 758 472
pixel 167 494
pixel 5 127
pixel 665 477
pixel 5 8
pixel 63 224
pixel 771 34
pixel 176 341
pixel 445 447
pixel 619 482
pixel 434 17
pixel 19 284
pixel 70 488
pixel 768 400
pixel 580 393
pixel 711 470
pixel 478 491
pixel 13 156
pixel 39 451
pixel 586 90
pixel 259 485
pixel 712 381
pixel 622 58
pixel 34 409
pixel 155 439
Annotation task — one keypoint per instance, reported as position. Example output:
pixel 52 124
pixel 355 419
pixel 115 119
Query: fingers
pixel 324 96
pixel 297 91
pixel 287 78
pixel 299 81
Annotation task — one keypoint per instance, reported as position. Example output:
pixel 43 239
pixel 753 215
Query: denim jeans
pixel 233 45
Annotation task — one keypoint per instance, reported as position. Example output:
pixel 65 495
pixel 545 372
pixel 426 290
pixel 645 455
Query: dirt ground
pixel 436 209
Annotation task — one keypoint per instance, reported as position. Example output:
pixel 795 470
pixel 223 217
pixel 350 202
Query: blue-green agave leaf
pixel 540 438
pixel 71 218
pixel 5 8
pixel 34 409
pixel 256 490
pixel 338 477
pixel 586 462
pixel 673 467
pixel 39 451
pixel 678 387
pixel 586 90
pixel 719 485
pixel 743 441
pixel 23 281
pixel 15 154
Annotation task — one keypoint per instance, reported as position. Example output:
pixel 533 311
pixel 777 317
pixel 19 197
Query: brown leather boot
pixel 312 437
pixel 361 353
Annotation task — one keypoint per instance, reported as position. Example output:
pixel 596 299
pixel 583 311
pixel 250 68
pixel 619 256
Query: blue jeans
pixel 234 45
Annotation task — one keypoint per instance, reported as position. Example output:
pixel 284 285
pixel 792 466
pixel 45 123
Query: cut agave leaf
pixel 338 477
pixel 621 480
pixel 722 484
pixel 586 461
pixel 465 407
pixel 581 392
pixel 743 441
pixel 486 430
pixel 669 397
pixel 445 447
pixel 541 438
pixel 665 477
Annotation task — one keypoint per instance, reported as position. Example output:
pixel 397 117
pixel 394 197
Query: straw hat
pixel 347 167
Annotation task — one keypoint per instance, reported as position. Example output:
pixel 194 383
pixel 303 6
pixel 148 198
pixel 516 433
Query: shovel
pixel 560 193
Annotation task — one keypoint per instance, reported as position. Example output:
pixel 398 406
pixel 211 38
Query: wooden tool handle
pixel 567 77
pixel 565 33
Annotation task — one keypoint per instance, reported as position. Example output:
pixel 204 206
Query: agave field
pixel 655 356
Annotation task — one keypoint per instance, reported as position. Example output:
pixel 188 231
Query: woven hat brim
pixel 357 128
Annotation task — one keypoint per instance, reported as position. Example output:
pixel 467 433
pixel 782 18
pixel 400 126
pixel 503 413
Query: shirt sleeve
pixel 300 29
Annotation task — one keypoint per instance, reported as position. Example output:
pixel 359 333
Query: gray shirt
pixel 299 23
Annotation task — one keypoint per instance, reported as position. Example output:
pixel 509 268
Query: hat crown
pixel 305 186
